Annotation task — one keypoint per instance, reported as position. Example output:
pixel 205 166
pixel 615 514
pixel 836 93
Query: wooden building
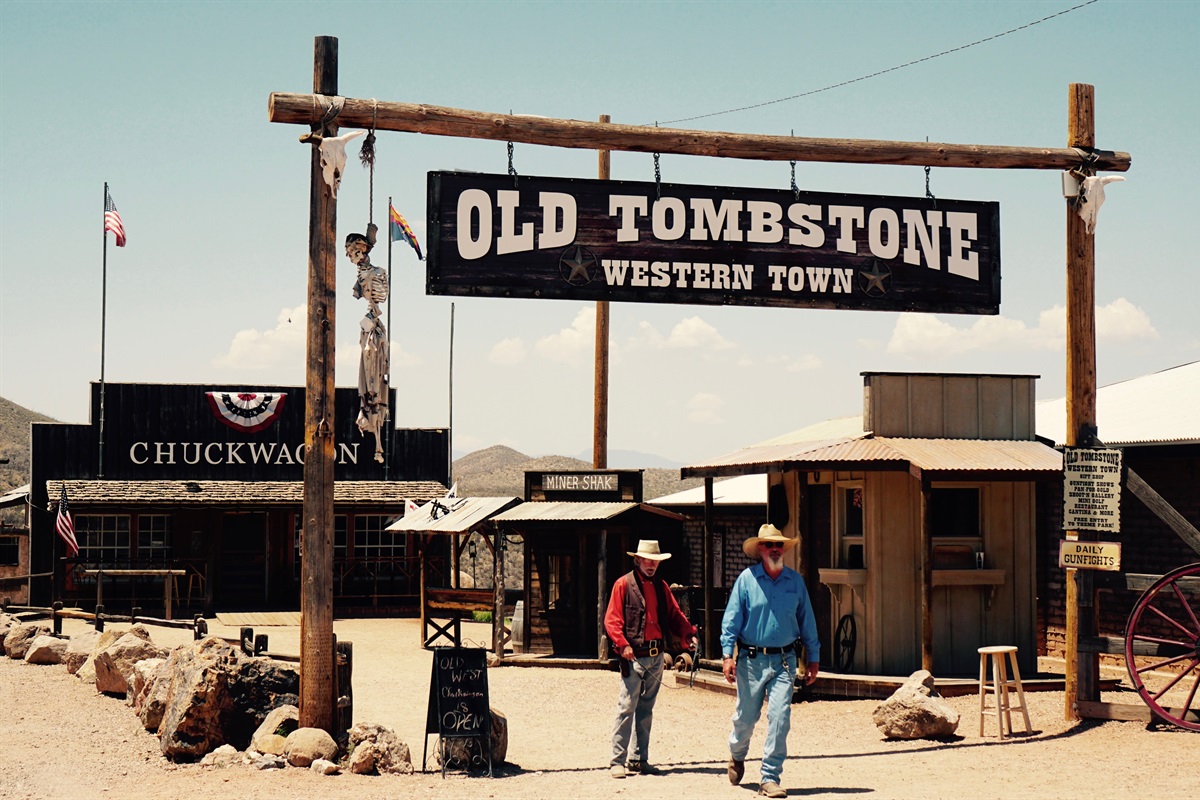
pixel 210 481
pixel 577 529
pixel 917 520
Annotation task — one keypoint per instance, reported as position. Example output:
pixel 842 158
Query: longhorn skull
pixel 333 155
pixel 1091 197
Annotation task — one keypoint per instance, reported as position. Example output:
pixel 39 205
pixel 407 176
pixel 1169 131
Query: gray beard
pixel 775 561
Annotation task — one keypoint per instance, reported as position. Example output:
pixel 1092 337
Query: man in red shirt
pixel 642 621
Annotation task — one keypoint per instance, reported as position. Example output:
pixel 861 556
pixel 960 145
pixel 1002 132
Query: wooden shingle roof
pixel 238 493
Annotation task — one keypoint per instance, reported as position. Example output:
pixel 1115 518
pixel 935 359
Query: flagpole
pixel 387 417
pixel 103 320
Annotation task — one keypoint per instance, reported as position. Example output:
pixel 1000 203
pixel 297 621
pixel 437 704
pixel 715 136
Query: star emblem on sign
pixel 576 265
pixel 873 279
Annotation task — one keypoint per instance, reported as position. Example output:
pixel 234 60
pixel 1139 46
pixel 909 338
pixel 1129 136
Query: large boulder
pixel 86 671
pixel 199 706
pixel 115 663
pixel 151 699
pixel 46 649
pixel 306 745
pixel 81 645
pixel 260 686
pixel 375 748
pixel 140 679
pixel 464 752
pixel 20 636
pixel 916 711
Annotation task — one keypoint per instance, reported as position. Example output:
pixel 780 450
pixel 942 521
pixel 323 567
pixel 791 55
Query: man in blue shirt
pixel 767 616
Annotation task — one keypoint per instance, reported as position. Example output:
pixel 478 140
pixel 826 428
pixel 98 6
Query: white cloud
pixel 507 352
pixel 694 332
pixel 704 409
pixel 258 351
pixel 574 345
pixel 1121 320
pixel 917 334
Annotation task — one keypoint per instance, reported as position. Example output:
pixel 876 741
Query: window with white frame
pixel 102 538
pixel 154 537
pixel 849 510
pixel 372 541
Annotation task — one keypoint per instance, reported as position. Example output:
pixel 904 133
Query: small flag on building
pixel 65 526
pixel 112 219
pixel 453 493
pixel 400 232
pixel 410 506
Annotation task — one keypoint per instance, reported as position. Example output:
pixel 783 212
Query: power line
pixel 880 72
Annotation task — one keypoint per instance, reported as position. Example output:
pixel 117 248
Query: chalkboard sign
pixel 458 693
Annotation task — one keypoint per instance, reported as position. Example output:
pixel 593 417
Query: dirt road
pixel 60 739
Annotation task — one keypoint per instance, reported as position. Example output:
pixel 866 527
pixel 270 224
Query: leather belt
pixel 752 649
pixel 652 648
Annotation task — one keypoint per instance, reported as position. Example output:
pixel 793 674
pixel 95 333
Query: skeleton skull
pixel 333 156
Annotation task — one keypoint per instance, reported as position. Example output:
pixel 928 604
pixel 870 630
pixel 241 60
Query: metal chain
pixel 795 188
pixel 511 169
pixel 657 179
pixel 928 193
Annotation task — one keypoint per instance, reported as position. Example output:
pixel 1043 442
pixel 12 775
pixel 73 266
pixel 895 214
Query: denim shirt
pixel 769 613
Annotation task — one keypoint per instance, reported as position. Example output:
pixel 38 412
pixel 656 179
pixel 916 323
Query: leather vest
pixel 635 612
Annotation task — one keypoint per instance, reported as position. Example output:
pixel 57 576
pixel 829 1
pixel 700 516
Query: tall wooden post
pixel 316 561
pixel 926 575
pixel 600 417
pixel 706 574
pixel 1081 671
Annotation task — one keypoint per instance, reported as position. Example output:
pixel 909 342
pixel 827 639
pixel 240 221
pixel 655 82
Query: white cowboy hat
pixel 648 548
pixel 767 533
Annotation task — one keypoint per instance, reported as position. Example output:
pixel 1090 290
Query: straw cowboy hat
pixel 648 548
pixel 767 533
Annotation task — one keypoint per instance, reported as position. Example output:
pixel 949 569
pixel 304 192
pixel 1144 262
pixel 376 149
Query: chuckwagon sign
pixel 575 239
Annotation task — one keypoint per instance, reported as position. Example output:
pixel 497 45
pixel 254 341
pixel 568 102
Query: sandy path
pixel 60 739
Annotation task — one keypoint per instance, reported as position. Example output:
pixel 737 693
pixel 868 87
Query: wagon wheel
pixel 843 643
pixel 1164 631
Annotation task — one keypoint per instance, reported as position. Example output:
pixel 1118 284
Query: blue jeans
pixel 635 709
pixel 772 676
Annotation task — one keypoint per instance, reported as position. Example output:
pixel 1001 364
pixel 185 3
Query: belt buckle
pixel 654 650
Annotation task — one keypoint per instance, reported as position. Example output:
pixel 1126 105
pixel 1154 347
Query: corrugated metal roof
pixel 466 513
pixel 886 453
pixel 1160 408
pixel 239 493
pixel 744 490
pixel 575 512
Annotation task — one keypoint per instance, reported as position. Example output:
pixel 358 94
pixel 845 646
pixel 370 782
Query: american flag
pixel 65 526
pixel 112 219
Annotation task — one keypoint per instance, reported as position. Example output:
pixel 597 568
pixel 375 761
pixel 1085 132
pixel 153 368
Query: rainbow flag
pixel 400 232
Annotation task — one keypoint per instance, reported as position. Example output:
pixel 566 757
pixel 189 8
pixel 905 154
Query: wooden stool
pixel 999 687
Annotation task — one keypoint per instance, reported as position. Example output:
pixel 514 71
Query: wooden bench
pixel 168 575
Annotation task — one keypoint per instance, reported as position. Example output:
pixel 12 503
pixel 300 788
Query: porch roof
pixel 549 513
pixel 93 493
pixel 465 514
pixel 936 459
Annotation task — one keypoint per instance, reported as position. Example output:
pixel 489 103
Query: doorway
pixel 242 562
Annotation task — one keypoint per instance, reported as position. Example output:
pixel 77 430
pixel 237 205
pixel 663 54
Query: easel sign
pixel 458 701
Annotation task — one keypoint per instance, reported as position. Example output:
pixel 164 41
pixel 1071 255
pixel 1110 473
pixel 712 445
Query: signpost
pixel 458 701
pixel 583 239
pixel 1104 556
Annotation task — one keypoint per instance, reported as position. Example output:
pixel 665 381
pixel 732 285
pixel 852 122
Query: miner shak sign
pixel 576 239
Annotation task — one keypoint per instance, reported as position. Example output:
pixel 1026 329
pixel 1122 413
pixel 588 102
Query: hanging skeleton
pixel 373 365
pixel 371 285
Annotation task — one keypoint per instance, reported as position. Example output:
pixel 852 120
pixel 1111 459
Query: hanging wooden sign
pixel 576 239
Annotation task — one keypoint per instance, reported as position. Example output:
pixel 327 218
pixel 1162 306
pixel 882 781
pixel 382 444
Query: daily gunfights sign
pixel 574 239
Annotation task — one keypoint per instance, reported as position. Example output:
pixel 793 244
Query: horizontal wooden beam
pixel 1123 712
pixel 309 109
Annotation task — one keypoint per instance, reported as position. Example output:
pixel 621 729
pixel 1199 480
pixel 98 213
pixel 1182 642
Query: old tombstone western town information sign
pixel 576 239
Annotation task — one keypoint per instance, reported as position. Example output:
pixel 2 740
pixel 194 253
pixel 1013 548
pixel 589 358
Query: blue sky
pixel 168 103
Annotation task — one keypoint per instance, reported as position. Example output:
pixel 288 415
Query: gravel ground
pixel 60 739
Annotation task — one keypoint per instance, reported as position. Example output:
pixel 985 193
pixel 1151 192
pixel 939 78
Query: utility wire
pixel 880 72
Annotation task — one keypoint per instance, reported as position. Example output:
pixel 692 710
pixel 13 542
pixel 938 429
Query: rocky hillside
pixel 500 471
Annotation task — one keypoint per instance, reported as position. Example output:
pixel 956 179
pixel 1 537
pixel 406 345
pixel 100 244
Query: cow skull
pixel 1091 197
pixel 333 155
